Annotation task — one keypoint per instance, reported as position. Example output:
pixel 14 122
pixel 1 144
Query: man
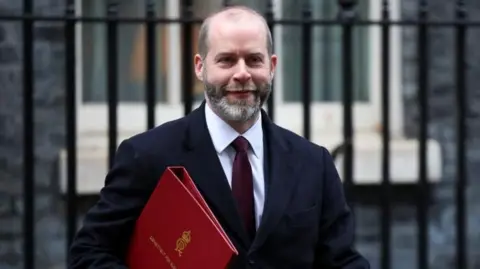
pixel 278 196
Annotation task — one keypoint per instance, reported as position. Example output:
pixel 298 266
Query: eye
pixel 226 59
pixel 256 59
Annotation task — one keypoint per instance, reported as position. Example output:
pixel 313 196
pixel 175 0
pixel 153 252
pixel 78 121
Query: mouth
pixel 240 93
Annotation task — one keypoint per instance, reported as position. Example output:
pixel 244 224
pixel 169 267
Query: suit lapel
pixel 203 165
pixel 282 167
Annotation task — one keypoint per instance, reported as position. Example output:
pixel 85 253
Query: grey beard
pixel 240 111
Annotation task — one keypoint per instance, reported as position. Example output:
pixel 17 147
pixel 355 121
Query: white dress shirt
pixel 222 136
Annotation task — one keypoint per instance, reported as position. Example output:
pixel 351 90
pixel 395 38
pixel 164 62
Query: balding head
pixel 231 14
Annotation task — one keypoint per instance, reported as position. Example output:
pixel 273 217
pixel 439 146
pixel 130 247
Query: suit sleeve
pixel 103 238
pixel 335 249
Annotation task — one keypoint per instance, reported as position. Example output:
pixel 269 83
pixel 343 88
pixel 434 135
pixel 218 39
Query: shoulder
pixel 314 157
pixel 165 138
pixel 301 146
pixel 315 160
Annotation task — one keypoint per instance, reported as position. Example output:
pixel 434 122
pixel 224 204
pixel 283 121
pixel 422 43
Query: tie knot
pixel 240 144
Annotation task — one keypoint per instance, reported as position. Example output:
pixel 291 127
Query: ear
pixel 273 65
pixel 199 66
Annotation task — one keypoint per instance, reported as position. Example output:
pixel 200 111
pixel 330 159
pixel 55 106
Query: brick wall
pixel 49 137
pixel 441 128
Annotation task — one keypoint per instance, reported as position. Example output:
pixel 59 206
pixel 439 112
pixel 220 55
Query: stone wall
pixel 49 138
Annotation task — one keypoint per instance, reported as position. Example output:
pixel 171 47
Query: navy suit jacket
pixel 306 221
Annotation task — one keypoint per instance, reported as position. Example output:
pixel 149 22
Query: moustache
pixel 240 89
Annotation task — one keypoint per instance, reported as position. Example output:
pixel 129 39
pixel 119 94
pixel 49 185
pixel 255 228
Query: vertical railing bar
pixel 347 15
pixel 306 69
pixel 71 122
pixel 112 81
pixel 187 55
pixel 423 89
pixel 327 72
pixel 386 184
pixel 28 137
pixel 269 16
pixel 151 56
pixel 461 225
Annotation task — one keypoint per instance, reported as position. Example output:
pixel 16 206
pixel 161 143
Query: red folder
pixel 177 229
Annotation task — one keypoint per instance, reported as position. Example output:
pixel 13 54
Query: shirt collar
pixel 223 134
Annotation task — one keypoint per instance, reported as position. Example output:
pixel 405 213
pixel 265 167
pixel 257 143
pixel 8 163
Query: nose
pixel 242 75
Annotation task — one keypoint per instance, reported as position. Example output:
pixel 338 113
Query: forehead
pixel 245 32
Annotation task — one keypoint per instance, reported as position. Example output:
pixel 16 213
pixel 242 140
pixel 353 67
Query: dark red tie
pixel 242 184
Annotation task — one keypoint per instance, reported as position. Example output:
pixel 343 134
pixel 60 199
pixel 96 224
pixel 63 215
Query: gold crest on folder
pixel 182 242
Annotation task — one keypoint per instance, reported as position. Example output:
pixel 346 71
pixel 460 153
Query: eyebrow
pixel 223 54
pixel 258 54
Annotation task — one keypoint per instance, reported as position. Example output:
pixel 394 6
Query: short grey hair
pixel 204 29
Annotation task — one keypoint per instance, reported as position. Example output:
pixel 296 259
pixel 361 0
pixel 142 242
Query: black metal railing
pixel 422 211
pixel 28 147
pixel 71 122
pixel 461 227
pixel 347 19
pixel 386 207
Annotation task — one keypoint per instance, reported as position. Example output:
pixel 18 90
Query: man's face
pixel 237 72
